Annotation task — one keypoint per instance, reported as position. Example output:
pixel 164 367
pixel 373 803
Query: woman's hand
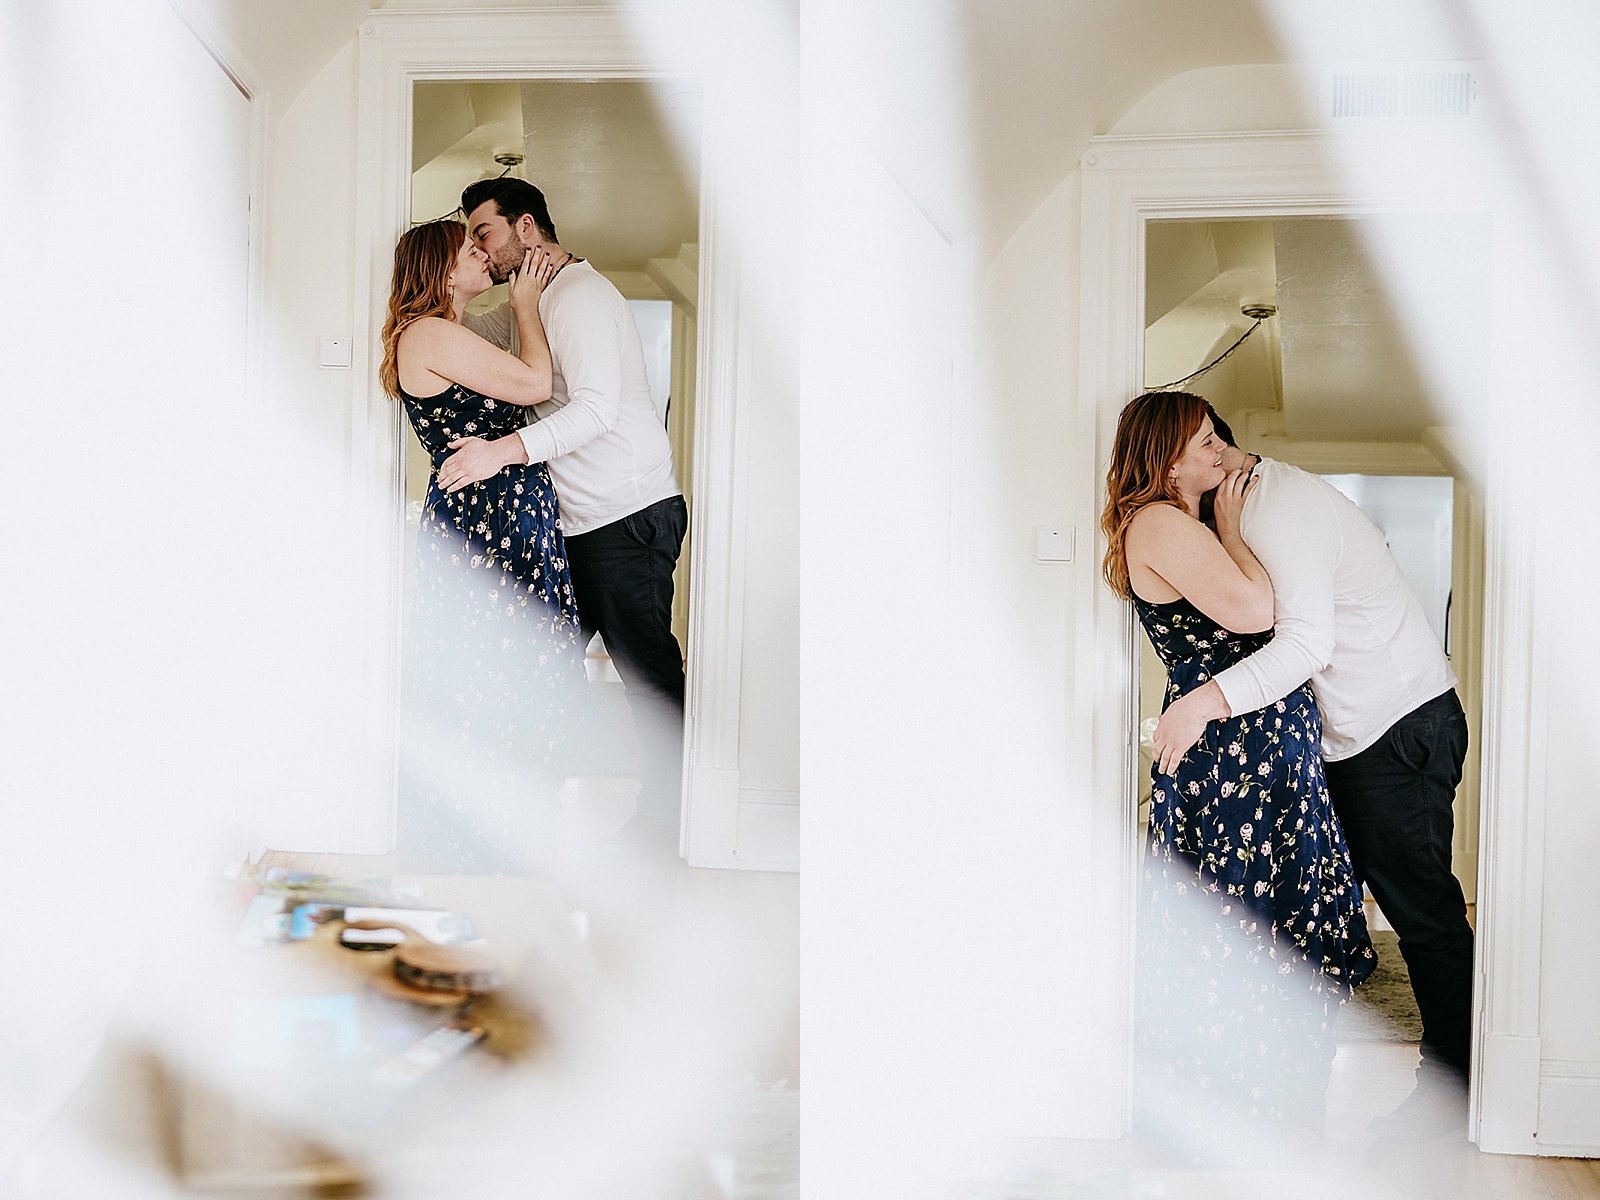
pixel 530 280
pixel 1229 503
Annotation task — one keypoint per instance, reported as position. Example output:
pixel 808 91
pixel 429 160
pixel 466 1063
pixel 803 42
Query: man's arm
pixel 586 342
pixel 1294 531
pixel 498 326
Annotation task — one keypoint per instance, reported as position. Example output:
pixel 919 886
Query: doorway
pixel 1329 384
pixel 618 163
pixel 1130 184
pixel 398 51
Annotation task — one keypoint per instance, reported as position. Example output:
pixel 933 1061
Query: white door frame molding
pixel 1126 182
pixel 396 50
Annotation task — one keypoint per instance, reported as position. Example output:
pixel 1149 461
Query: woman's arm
pixel 442 352
pixel 533 347
pixel 1185 554
pixel 1228 508
pixel 1299 534
pixel 435 353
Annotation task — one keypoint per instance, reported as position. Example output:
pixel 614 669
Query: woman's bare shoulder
pixel 1160 517
pixel 1162 529
pixel 427 329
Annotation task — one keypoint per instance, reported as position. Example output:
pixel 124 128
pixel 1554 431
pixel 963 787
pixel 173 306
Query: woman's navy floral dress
pixel 1252 931
pixel 495 670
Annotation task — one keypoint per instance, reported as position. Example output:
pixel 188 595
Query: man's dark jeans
pixel 622 577
pixel 1394 801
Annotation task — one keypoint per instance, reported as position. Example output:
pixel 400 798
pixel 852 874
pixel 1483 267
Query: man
pixel 1393 739
pixel 622 512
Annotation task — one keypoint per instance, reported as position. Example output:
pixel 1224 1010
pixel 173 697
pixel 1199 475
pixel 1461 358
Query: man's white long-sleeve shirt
pixel 1344 616
pixel 606 448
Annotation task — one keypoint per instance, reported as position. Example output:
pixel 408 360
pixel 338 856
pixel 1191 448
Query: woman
pixel 496 658
pixel 1253 932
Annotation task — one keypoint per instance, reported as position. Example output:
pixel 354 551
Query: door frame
pixel 1128 181
pixel 395 51
pixel 247 838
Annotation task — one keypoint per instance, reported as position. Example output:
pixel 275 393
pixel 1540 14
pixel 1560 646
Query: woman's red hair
pixel 1151 434
pixel 423 260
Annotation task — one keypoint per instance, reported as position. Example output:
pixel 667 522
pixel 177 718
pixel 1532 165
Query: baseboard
pixel 769 831
pixel 710 835
pixel 1569 1109
pixel 1508 1095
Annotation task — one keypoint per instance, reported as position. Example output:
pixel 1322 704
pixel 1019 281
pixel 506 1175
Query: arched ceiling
pixel 1046 77
pixel 279 46
pixel 980 107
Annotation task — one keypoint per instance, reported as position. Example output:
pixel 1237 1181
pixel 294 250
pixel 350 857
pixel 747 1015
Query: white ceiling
pixel 1045 77
pixel 1347 370
pixel 618 161
pixel 979 107
pixel 1361 304
pixel 279 46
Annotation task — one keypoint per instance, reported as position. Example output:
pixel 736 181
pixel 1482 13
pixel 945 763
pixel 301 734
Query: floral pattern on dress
pixel 1252 931
pixel 494 677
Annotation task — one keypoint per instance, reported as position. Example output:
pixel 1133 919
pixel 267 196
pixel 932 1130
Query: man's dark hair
pixel 515 198
pixel 1217 423
pixel 1208 502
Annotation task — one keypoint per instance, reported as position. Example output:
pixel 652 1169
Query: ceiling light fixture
pixel 1256 312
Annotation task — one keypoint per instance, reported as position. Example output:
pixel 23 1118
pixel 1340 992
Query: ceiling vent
pixel 1403 94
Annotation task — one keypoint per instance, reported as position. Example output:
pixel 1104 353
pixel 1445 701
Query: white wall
pixel 127 556
pixel 757 185
pixel 310 277
pixel 1030 407
pixel 1555 458
pixel 1232 98
pixel 128 617
pixel 1569 977
pixel 1025 431
pixel 314 567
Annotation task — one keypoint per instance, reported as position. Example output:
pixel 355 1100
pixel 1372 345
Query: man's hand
pixel 1184 721
pixel 475 460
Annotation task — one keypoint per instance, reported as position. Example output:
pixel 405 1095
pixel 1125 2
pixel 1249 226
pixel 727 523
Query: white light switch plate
pixel 1054 545
pixel 333 352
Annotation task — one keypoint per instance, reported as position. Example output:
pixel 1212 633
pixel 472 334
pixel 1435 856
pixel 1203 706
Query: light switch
pixel 1054 545
pixel 333 351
